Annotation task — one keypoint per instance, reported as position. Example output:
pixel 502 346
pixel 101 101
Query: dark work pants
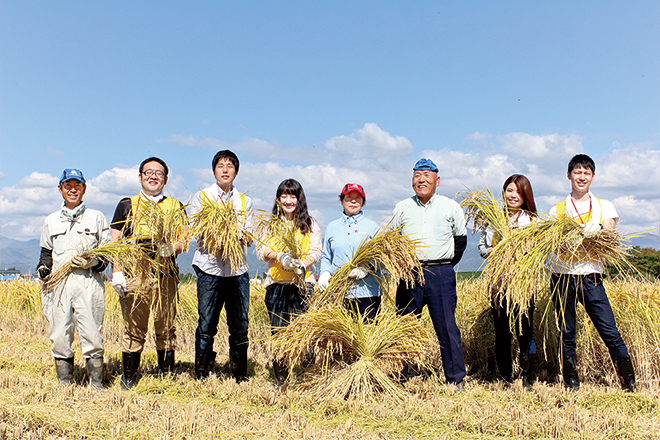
pixel 368 306
pixel 284 302
pixel 589 290
pixel 439 294
pixel 524 331
pixel 213 293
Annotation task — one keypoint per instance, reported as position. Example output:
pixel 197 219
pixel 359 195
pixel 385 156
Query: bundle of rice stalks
pixel 388 253
pixel 164 226
pixel 357 358
pixel 485 211
pixel 518 263
pixel 119 253
pixel 220 230
pixel 281 235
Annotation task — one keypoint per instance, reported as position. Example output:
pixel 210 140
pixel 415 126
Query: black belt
pixel 429 263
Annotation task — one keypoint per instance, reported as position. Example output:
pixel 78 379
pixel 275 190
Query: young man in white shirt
pixel 582 281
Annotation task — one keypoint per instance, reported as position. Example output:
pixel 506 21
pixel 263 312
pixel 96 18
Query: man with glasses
pixel 139 295
pixel 79 301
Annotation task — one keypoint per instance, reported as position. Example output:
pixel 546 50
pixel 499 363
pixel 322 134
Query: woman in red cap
pixel 342 237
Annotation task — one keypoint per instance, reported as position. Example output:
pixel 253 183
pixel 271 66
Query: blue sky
pixel 328 93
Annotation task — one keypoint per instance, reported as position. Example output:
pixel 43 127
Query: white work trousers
pixel 77 304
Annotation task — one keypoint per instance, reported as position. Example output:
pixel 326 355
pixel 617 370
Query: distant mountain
pixel 23 255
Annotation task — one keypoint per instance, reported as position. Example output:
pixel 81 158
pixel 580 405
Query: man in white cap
pixel 78 302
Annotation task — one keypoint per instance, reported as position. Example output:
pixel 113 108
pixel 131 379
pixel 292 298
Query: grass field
pixel 34 406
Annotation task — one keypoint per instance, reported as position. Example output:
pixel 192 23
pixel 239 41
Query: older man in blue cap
pixel 439 225
pixel 77 303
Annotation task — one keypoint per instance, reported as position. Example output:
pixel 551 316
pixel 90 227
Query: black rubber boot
pixel 238 363
pixel 626 372
pixel 571 378
pixel 64 370
pixel 95 372
pixel 204 360
pixel 165 361
pixel 280 373
pixel 527 370
pixel 131 363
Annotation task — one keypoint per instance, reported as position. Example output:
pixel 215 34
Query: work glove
pixel 324 281
pixel 358 273
pixel 80 262
pixel 43 272
pixel 119 283
pixel 298 267
pixel 166 250
pixel 591 228
pixel 286 260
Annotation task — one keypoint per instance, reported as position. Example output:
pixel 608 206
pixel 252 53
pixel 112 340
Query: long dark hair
pixel 525 189
pixel 301 217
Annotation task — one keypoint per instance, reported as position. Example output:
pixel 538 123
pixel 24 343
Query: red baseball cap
pixel 349 187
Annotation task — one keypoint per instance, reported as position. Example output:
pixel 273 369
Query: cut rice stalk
pixel 221 230
pixel 120 253
pixel 389 253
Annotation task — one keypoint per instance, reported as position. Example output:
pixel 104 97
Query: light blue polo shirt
pixel 435 225
pixel 342 238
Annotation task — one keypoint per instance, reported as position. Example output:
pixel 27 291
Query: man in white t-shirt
pixel 582 281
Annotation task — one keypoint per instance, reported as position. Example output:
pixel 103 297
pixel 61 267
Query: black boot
pixel 204 360
pixel 131 363
pixel 165 361
pixel 527 370
pixel 626 372
pixel 238 364
pixel 571 378
pixel 95 371
pixel 280 373
pixel 64 370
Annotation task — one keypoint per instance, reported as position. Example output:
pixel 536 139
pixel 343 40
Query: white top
pixel 600 210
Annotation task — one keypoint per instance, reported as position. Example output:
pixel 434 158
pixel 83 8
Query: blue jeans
pixel 212 293
pixel 589 290
pixel 439 294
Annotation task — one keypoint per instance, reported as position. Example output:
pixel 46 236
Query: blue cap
pixel 72 174
pixel 425 165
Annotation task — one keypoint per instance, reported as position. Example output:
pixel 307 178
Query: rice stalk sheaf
pixel 219 229
pixel 120 253
pixel 354 357
pixel 388 255
pixel 279 234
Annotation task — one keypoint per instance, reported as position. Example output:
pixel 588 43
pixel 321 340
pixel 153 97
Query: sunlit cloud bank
pixel 380 161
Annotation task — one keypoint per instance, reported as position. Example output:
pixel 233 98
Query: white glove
pixel 358 273
pixel 299 267
pixel 324 281
pixel 286 260
pixel 79 262
pixel 591 228
pixel 166 250
pixel 119 283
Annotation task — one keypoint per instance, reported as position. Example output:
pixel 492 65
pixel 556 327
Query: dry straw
pixel 485 211
pixel 220 229
pixel 118 253
pixel 357 359
pixel 281 235
pixel 389 253
pixel 164 226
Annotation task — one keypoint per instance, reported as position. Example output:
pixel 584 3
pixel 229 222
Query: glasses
pixel 157 173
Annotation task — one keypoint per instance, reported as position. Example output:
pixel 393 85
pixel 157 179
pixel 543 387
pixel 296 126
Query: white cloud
pixel 379 161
